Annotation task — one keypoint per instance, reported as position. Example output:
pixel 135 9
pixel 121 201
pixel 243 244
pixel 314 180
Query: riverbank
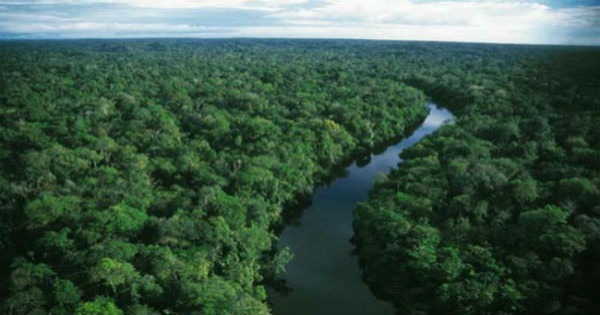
pixel 324 276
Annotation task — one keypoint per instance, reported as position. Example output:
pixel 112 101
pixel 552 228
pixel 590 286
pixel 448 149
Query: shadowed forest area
pixel 151 176
pixel 498 213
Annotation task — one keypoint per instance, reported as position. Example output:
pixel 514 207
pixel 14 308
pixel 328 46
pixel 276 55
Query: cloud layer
pixel 565 22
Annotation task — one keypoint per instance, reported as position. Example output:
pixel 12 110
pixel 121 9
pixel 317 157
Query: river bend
pixel 324 275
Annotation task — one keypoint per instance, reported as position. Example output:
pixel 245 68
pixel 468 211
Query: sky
pixel 518 21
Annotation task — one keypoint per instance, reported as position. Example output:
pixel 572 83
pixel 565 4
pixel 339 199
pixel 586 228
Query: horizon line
pixel 33 39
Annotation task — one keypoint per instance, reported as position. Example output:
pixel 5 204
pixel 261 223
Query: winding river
pixel 324 276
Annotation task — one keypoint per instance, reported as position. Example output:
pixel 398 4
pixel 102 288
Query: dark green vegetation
pixel 142 176
pixel 500 212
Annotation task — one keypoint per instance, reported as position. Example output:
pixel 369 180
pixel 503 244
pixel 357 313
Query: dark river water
pixel 324 276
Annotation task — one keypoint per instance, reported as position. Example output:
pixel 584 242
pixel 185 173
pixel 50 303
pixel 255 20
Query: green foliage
pixel 496 213
pixel 142 181
pixel 100 306
pixel 152 182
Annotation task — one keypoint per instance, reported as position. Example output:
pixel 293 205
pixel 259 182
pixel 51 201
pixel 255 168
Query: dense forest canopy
pixel 149 176
pixel 142 176
pixel 498 213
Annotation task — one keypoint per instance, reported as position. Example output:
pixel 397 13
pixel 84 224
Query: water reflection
pixel 324 276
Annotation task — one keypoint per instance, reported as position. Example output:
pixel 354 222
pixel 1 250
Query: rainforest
pixel 157 176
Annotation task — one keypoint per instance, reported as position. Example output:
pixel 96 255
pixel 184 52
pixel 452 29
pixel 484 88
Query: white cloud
pixel 171 4
pixel 483 21
pixel 121 30
pixel 127 28
pixel 523 21
pixel 196 4
pixel 408 10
